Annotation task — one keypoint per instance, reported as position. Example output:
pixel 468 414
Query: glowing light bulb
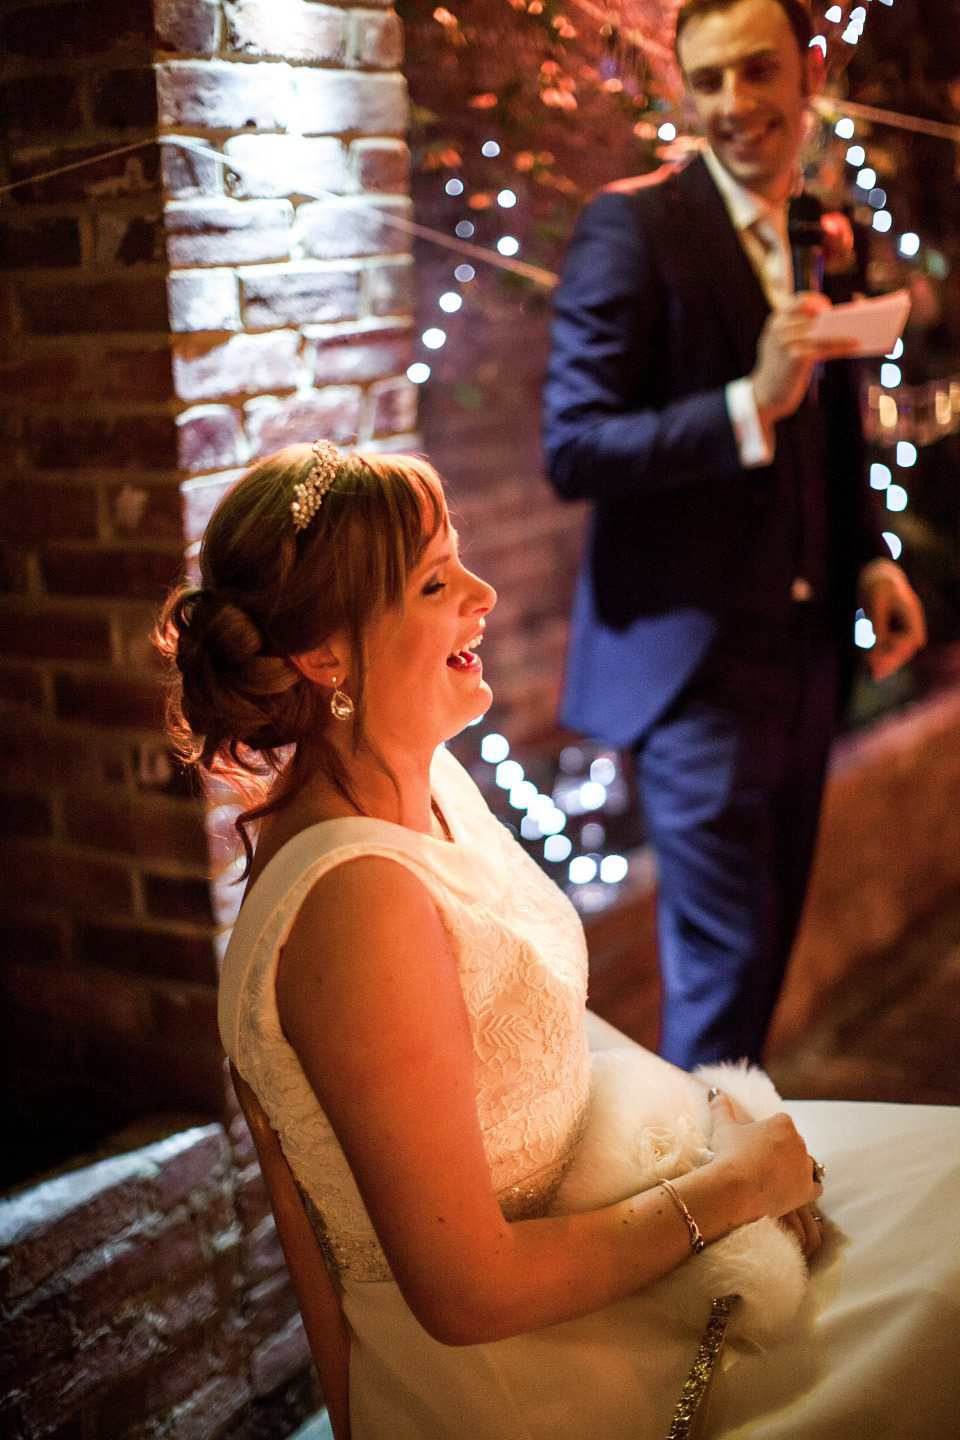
pixel 856 155
pixel 582 870
pixel 508 774
pixel 603 770
pixel 877 198
pixel 863 633
pixel 834 14
pixel 508 245
pixel 613 869
pixel 464 229
pixel 894 544
pixel 494 748
pixel 667 131
pixel 890 376
pixel 896 497
pixel 450 302
pixel 506 199
pixel 556 848
pixel 845 129
pixel 880 476
pixel 909 243
pixel 896 352
pixel 454 187
pixel 490 149
pixel 882 221
pixel 418 372
pixel 867 178
pixel 434 338
pixel 906 454
pixel 463 273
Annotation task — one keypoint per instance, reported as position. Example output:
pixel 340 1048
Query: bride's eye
pixel 432 586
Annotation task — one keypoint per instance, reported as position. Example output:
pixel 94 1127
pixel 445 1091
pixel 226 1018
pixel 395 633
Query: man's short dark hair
pixel 796 12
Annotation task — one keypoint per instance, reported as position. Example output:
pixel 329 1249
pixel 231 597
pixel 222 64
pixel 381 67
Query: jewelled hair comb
pixel 308 495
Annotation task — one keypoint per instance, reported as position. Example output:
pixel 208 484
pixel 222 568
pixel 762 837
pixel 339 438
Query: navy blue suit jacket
pixel 658 308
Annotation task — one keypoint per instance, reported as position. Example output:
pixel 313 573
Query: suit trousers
pixel 731 779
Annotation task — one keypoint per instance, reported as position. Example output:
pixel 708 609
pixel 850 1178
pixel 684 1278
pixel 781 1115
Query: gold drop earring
pixel 341 706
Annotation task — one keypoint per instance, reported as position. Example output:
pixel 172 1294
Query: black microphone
pixel 805 234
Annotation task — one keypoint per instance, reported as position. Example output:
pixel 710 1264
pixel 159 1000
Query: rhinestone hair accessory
pixel 308 496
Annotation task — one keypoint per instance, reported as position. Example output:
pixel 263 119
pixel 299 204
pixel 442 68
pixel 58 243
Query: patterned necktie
pixel 773 259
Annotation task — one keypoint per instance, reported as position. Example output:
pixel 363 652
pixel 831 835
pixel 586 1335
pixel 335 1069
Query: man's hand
pixel 894 610
pixel 787 354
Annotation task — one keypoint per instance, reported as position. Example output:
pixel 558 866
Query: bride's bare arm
pixel 370 1000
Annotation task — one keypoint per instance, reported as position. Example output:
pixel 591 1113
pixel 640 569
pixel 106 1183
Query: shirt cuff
pixel 754 443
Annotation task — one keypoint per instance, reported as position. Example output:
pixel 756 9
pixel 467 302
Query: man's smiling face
pixel 750 85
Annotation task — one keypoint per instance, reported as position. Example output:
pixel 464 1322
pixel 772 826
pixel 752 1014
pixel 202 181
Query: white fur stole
pixel 649 1122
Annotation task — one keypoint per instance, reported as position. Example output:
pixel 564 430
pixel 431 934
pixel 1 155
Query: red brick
pixel 333 413
pixel 68 1385
pixel 25 814
pixel 187 172
pixel 151 512
pixel 136 373
pixel 33 511
pixel 200 499
pixel 371 355
pixel 187 1160
pixel 210 437
pixel 211 1412
pixel 204 300
pixel 286 165
pixel 168 953
pixel 184 1307
pixel 230 232
pixel 39 244
pixel 146 827
pixel 22 689
pixel 377 41
pixel 278 1357
pixel 36 375
pixel 172 897
pixel 109 700
pixel 337 102
pixel 185 1369
pixel 39 874
pixel 389 288
pixel 215 96
pixel 53 633
pixel 293 31
pixel 48 1226
pixel 337 229
pixel 189 26
pixel 299 296
pixel 106 178
pixel 185 1013
pixel 114 441
pixel 36 1334
pixel 43 756
pixel 58 32
pixel 262 1255
pixel 36 939
pixel 382 165
pixel 243 364
pixel 124 99
pixel 41 105
pixel 110 305
pixel 129 1267
pixel 120 239
pixel 128 574
pixel 395 407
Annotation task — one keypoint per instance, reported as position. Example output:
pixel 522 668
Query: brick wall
pixel 141 1296
pixel 166 321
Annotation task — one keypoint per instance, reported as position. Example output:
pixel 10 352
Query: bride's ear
pixel 323 665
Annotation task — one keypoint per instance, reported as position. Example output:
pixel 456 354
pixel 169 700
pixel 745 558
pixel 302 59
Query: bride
pixel 529 1243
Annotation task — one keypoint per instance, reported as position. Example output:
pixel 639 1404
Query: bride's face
pixel 424 679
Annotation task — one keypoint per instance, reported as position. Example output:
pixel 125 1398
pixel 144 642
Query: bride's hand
pixel 803 1224
pixel 768 1157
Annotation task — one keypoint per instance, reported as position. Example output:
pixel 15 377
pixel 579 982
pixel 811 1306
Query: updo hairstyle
pixel 238 708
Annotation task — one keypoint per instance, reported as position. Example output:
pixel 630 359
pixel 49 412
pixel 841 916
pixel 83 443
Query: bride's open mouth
pixel 466 658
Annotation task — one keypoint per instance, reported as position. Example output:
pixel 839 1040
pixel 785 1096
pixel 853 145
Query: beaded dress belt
pixel 695 1386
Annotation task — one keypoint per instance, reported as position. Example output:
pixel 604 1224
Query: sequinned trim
pixel 691 1396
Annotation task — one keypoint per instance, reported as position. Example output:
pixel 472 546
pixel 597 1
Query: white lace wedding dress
pixel 877 1339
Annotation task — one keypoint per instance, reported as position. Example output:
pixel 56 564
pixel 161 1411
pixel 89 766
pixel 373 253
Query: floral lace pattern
pixel 522 962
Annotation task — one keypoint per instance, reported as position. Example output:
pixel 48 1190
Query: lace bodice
pixel 521 958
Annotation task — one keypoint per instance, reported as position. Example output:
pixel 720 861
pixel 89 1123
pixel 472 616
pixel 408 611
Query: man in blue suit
pixel 732 532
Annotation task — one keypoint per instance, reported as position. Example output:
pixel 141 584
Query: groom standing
pixel 732 531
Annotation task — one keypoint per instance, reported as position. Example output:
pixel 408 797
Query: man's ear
pixel 814 71
pixel 322 665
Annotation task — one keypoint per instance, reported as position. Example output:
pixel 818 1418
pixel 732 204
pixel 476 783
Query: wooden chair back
pixel 317 1295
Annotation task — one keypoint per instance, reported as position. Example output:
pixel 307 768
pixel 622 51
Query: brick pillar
pixel 164 322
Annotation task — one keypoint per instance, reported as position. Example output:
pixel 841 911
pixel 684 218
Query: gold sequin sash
pixel 695 1387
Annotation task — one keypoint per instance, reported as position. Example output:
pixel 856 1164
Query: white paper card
pixel 875 324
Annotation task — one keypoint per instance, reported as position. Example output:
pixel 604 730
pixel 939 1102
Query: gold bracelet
pixel 697 1242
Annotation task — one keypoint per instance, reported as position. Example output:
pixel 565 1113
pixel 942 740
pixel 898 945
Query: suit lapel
pixel 715 261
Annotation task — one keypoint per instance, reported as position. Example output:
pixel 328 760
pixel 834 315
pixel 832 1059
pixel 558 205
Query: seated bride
pixel 530 1241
